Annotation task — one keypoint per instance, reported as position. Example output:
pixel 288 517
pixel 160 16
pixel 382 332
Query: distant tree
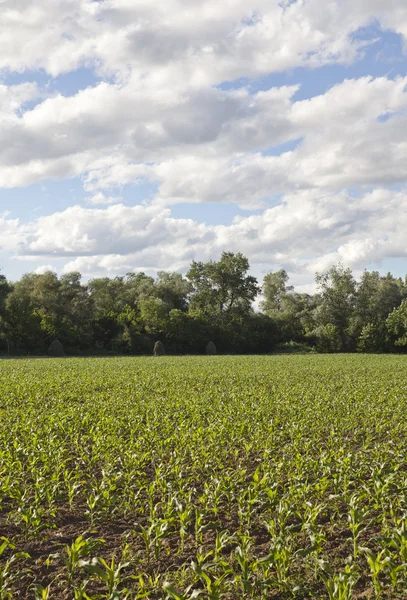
pixel 173 289
pixel 5 289
pixel 108 295
pixel 397 325
pixel 290 311
pixel 377 296
pixel 328 338
pixel 370 339
pixel 25 332
pixel 260 334
pixel 155 316
pixel 127 314
pixel 137 287
pixel 223 288
pixel 337 288
pixel 77 309
pixel 188 333
pixel 275 289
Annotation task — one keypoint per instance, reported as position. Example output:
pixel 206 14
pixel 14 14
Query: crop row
pixel 204 477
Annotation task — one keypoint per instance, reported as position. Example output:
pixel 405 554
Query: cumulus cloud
pixel 207 40
pixel 307 232
pixel 215 146
pixel 44 269
pixel 101 199
pixel 159 114
pixel 12 233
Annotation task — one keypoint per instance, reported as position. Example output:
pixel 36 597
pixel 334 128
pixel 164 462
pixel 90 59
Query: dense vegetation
pixel 214 302
pixel 204 477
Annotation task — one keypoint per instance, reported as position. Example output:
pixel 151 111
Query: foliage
pixel 397 324
pixel 215 301
pixel 238 477
pixel 372 338
pixel 328 338
pixel 338 296
pixel 293 348
pixel 275 290
pixel 223 289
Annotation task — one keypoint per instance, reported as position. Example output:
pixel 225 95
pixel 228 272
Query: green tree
pixel 5 289
pixel 25 331
pixel 173 289
pixel 397 325
pixel 337 289
pixel 376 297
pixel 188 333
pixel 155 316
pixel 137 287
pixel 290 311
pixel 76 329
pixel 223 288
pixel 275 290
pixel 328 338
pixel 108 295
pixel 370 338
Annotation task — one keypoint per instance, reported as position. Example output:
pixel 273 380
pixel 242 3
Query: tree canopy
pixel 214 302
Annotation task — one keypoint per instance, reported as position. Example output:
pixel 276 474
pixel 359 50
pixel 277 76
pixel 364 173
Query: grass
pixel 204 477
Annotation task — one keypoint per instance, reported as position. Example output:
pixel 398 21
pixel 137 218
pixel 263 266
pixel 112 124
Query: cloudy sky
pixel 140 135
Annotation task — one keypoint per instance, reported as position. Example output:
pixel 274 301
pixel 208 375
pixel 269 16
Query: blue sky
pixel 133 141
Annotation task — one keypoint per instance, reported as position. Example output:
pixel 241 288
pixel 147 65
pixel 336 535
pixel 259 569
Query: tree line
pixel 213 302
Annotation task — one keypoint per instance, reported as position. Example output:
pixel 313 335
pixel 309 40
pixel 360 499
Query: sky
pixel 139 135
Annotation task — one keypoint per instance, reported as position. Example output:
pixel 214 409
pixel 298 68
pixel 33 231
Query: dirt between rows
pixel 47 552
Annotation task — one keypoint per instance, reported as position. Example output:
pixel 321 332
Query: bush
pixel 327 338
pixel 293 348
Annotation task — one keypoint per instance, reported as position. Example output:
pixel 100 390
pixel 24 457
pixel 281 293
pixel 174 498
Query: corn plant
pixel 239 478
pixel 7 571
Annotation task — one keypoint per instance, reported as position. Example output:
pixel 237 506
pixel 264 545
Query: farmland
pixel 204 477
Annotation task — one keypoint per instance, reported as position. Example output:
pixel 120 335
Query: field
pixel 204 477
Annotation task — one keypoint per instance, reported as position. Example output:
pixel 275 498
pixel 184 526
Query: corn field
pixel 204 477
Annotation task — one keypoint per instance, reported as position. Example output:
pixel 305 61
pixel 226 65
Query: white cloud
pixel 306 233
pixel 209 147
pixel 101 199
pixel 44 269
pixel 158 116
pixel 207 41
pixel 11 232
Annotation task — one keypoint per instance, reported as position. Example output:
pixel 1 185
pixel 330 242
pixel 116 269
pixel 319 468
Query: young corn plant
pixel 214 585
pixel 42 592
pixel 109 574
pixel 398 540
pixel 339 586
pixel 357 522
pixel 377 564
pixel 34 520
pixel 246 565
pixel 76 552
pixel 7 572
pixel 174 595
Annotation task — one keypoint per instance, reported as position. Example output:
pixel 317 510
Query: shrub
pixel 293 348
